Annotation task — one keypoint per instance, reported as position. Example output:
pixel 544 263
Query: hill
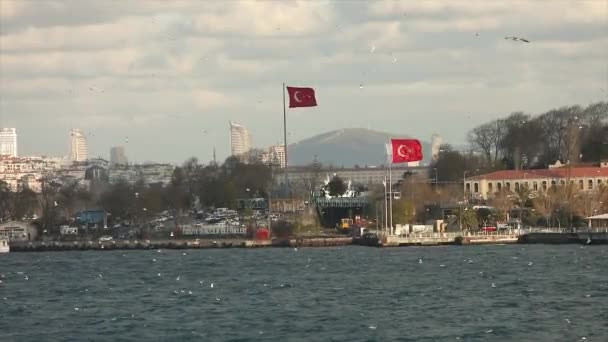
pixel 346 147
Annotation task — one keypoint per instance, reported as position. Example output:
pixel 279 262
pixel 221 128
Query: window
pixel 526 185
pixel 508 185
pixel 535 186
pixel 490 187
pixel 476 187
pixel 590 184
pixel 581 184
pixel 553 183
pixel 563 182
pixel 544 185
pixel 499 186
pixel 516 185
pixel 599 181
pixel 468 187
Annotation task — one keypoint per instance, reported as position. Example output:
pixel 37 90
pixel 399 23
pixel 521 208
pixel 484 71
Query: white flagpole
pixel 385 207
pixel 390 186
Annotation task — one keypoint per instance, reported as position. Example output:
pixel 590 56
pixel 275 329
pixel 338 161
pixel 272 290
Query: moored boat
pixel 4 248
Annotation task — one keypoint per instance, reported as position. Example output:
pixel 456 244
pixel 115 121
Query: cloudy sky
pixel 162 73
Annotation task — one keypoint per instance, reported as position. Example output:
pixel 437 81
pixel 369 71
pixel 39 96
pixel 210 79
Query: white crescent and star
pixel 400 151
pixel 296 96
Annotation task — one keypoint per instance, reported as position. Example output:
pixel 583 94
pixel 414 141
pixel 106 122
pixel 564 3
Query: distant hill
pixel 348 147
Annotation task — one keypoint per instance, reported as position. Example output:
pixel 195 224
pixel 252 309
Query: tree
pixel 545 203
pixel 487 138
pixel 5 200
pixel 469 220
pixel 48 204
pixel 120 200
pixel 177 198
pixel 503 203
pixel 336 186
pixel 23 203
pixel 404 211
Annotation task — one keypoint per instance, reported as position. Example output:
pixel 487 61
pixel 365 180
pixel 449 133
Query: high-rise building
pixel 78 145
pixel 8 142
pixel 240 140
pixel 436 142
pixel 117 155
pixel 275 155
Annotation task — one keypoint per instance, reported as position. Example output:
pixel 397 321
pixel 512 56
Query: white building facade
pixel 78 145
pixel 585 178
pixel 240 139
pixel 8 142
pixel 275 155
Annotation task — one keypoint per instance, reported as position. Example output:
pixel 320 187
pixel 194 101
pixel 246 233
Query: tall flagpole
pixel 385 207
pixel 285 132
pixel 390 186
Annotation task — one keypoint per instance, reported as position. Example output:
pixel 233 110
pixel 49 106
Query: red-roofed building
pixel 485 186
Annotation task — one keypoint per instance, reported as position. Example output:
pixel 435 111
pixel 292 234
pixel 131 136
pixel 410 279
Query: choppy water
pixel 485 293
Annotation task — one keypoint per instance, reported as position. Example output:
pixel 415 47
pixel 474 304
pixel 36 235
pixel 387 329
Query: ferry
pixel 4 248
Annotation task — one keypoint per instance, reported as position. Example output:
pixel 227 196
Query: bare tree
pixel 545 203
pixel 481 137
pixel 503 202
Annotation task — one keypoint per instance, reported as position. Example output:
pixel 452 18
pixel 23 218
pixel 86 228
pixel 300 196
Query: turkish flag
pixel 406 150
pixel 301 97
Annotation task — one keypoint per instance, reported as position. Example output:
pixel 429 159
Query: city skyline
pixel 156 75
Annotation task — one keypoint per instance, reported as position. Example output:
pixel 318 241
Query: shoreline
pixel 583 238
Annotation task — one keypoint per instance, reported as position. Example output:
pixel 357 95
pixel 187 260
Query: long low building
pixel 361 175
pixel 585 178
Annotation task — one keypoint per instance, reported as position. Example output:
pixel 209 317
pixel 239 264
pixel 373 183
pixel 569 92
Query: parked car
pixel 106 238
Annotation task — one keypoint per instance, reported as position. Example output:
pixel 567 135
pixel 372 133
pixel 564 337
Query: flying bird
pixel 518 39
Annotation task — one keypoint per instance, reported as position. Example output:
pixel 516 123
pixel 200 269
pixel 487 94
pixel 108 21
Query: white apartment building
pixel 485 186
pixel 78 145
pixel 240 139
pixel 8 142
pixel 275 155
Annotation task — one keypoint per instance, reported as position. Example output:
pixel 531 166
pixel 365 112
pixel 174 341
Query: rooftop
pixel 562 172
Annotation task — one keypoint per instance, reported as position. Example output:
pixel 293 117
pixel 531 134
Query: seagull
pixel 518 39
pixel 476 34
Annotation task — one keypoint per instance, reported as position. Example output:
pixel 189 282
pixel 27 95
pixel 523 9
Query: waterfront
pixel 478 293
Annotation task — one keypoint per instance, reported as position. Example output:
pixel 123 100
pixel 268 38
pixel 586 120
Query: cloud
pixel 159 67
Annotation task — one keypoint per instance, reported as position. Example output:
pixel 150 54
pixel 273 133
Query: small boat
pixel 4 248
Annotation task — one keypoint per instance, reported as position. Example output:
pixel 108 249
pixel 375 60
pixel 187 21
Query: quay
pixel 42 246
pixel 591 237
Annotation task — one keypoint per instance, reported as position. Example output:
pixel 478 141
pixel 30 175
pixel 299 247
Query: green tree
pixel 336 186
pixel 469 220
pixel 404 211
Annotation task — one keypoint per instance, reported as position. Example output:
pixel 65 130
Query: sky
pixel 164 78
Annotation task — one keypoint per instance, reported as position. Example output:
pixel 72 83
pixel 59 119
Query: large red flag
pixel 301 97
pixel 406 150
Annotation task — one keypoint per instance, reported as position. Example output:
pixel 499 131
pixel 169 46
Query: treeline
pixel 519 141
pixel 192 185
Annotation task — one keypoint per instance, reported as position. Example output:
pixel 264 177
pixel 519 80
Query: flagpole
pixel 285 132
pixel 385 207
pixel 390 186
